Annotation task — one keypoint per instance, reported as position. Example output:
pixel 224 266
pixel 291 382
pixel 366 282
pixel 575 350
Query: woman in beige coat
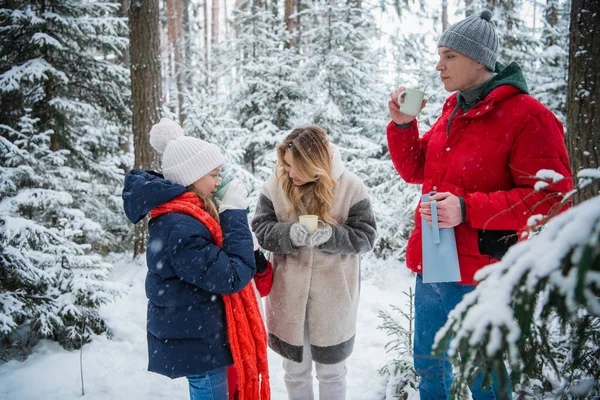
pixel 311 311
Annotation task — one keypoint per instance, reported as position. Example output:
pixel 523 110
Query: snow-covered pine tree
pixel 414 56
pixel 517 42
pixel 539 306
pixel 265 91
pixel 548 82
pixel 63 123
pixel 403 380
pixel 202 104
pixel 341 70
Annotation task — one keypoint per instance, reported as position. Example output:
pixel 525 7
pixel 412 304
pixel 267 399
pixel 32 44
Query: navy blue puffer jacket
pixel 187 273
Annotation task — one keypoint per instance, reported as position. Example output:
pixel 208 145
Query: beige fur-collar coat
pixel 318 286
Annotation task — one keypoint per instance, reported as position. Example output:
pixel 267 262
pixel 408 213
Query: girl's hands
pixel 235 197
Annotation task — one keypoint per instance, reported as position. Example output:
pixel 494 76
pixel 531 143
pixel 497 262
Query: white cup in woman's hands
pixel 235 197
pixel 309 221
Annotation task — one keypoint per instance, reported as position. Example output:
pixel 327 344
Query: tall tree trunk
pixel 48 117
pixel 206 47
pixel 534 14
pixel 124 142
pixel 289 22
pixel 169 65
pixel 144 51
pixel 225 19
pixel 583 95
pixel 214 35
pixel 185 37
pixel 299 23
pixel 123 13
pixel 444 15
pixel 551 16
pixel 174 17
pixel 214 39
pixel 240 5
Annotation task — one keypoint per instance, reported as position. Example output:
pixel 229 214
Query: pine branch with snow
pixel 403 379
pixel 544 292
pixel 64 118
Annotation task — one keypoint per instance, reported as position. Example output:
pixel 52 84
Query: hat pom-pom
pixel 163 132
pixel 486 15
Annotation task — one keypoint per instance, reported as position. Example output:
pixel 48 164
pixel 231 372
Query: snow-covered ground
pixel 114 365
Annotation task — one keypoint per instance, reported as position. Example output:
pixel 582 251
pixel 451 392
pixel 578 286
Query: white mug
pixel 309 221
pixel 410 101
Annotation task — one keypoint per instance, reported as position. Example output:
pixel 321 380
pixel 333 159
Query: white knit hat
pixel 184 159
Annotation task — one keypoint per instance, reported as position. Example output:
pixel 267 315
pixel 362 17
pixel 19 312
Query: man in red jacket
pixel 481 158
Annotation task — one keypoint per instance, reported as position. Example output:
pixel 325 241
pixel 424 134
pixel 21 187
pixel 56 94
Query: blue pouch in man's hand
pixel 440 258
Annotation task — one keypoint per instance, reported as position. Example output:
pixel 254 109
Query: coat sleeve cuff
pixel 404 126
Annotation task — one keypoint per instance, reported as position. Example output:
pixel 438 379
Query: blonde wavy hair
pixel 312 163
pixel 208 205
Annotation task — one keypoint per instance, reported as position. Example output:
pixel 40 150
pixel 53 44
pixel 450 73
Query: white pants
pixel 298 377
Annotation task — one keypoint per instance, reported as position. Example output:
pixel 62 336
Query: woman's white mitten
pixel 235 197
pixel 299 235
pixel 320 236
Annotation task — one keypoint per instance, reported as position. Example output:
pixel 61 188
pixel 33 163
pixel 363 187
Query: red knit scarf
pixel 245 327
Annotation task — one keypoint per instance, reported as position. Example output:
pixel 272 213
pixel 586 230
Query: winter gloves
pixel 301 236
pixel 320 236
pixel 233 197
pixel 261 262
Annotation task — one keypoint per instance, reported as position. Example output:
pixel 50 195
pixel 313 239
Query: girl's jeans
pixel 210 385
pixel 433 303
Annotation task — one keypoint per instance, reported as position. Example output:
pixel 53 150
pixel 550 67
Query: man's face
pixel 457 71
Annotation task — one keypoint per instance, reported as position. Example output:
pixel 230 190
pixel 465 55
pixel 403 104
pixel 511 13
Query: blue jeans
pixel 211 385
pixel 433 303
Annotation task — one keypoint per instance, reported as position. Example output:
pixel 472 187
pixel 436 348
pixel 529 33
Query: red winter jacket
pixel 490 157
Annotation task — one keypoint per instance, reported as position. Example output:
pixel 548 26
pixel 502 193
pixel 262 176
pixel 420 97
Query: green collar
pixel 503 75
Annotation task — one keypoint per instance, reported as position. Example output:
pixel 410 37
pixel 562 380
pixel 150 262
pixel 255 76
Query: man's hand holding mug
pixel 404 104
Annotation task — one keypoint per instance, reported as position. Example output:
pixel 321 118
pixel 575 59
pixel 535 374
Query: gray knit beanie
pixel 475 37
pixel 184 159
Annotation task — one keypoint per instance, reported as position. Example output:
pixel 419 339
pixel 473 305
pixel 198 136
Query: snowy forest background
pixel 82 82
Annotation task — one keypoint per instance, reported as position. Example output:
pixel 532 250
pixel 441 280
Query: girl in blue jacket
pixel 202 314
